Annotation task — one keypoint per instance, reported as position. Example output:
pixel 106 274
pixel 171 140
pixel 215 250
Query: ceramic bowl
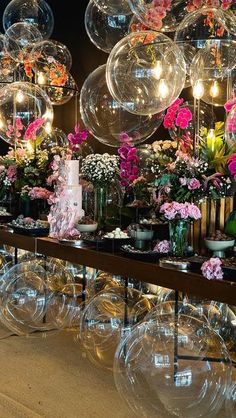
pixel 87 227
pixel 218 247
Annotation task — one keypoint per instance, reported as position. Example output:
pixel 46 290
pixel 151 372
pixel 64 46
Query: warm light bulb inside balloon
pixel 19 97
pixel 198 90
pixel 48 128
pixel 214 89
pixel 41 78
pixel 157 70
pixel 211 139
pixel 163 89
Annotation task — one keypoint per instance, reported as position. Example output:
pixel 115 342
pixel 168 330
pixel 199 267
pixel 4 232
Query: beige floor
pixel 51 378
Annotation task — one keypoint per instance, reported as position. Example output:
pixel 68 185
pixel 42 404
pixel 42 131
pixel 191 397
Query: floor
pixel 51 377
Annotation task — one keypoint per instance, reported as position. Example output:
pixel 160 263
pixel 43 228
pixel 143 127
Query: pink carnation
pixel 211 269
pixel 39 193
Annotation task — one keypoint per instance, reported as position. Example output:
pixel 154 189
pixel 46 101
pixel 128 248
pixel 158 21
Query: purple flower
pixel 77 138
pixel 194 184
pixel 162 247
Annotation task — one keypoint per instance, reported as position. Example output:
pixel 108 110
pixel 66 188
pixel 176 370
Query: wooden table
pixel 191 283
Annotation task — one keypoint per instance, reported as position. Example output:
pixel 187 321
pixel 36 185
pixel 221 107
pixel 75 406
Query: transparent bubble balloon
pixel 165 18
pixel 206 118
pixel 113 7
pixel 104 321
pixel 7 64
pixel 56 138
pixel 106 119
pixel 230 127
pixel 188 51
pixel 45 53
pixel 204 24
pixel 105 30
pixel 25 111
pixel 34 298
pixel 231 400
pixel 58 94
pixel 165 368
pixel 20 39
pixel 212 68
pixel 145 72
pixel 38 13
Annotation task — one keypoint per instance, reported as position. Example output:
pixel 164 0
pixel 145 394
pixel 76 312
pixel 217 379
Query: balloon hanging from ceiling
pixel 105 30
pixel 106 119
pixel 25 111
pixel 38 13
pixel 113 7
pixel 20 39
pixel 145 72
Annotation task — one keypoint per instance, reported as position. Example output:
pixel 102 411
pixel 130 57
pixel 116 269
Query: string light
pixel 41 78
pixel 48 128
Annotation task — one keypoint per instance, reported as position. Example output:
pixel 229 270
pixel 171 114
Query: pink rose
pixel 194 184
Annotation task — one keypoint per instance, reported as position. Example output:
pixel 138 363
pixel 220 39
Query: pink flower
pixel 2 168
pixel 194 184
pixel 176 210
pixel 39 193
pixel 183 181
pixel 211 269
pixel 11 173
pixel 183 118
pixel 77 138
pixel 194 212
pixel 162 247
pixel 31 131
pixel 230 104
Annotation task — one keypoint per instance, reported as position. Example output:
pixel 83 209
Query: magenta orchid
pixel 77 138
pixel 31 131
pixel 129 170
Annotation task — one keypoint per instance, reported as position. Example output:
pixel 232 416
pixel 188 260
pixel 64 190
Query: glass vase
pixel 100 206
pixel 179 229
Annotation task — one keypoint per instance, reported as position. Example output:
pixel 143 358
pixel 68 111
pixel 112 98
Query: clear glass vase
pixel 100 206
pixel 179 229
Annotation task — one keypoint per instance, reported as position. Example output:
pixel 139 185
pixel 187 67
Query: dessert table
pixel 117 264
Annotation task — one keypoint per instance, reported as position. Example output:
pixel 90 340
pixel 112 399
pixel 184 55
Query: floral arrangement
pixel 156 12
pixel 140 188
pixel 175 210
pixel 211 269
pixel 76 139
pixel 197 4
pixel 100 169
pixel 189 178
pixel 164 153
pixel 129 159
pixel 177 116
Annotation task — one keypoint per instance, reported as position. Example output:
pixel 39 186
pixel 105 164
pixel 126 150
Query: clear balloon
pixel 230 127
pixel 105 319
pixel 105 30
pixel 213 68
pixel 25 111
pixel 165 367
pixel 163 17
pixel 56 138
pixel 7 64
pixel 205 118
pixel 46 53
pixel 145 72
pixel 38 13
pixel 204 24
pixel 113 7
pixel 36 296
pixel 188 51
pixel 107 119
pixel 59 94
pixel 20 39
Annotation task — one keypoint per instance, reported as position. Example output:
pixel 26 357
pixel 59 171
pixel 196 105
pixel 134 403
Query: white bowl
pixel 218 247
pixel 87 227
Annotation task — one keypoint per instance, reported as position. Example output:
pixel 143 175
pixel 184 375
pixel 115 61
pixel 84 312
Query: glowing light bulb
pixel 198 90
pixel 1 123
pixel 48 128
pixel 157 70
pixel 41 78
pixel 20 96
pixel 214 90
pixel 30 147
pixel 163 89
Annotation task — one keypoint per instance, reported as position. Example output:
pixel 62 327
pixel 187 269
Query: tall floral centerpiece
pixel 179 216
pixel 100 170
